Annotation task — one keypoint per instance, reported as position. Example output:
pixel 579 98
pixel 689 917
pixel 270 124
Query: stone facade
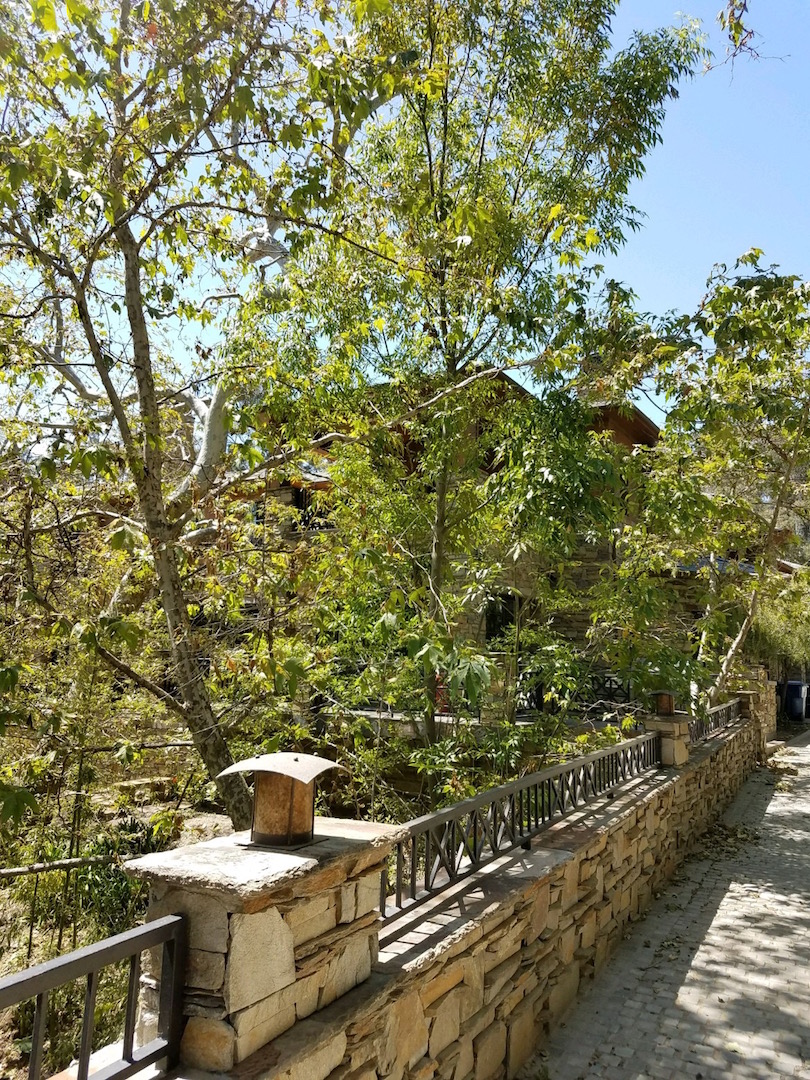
pixel 467 986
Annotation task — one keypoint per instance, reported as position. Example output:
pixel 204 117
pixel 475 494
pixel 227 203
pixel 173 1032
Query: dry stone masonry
pixel 273 936
pixel 286 983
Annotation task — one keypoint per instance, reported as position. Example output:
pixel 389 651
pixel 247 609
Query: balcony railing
pixel 717 718
pixel 38 982
pixel 447 845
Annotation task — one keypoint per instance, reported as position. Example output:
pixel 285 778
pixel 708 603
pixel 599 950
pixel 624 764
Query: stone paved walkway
pixel 715 981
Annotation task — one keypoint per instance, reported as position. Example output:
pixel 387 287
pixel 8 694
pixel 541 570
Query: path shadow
pixel 696 991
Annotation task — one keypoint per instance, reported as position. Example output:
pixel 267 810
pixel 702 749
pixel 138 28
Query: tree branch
pixel 142 681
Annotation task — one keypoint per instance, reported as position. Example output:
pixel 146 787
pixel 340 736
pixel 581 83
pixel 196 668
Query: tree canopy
pixel 434 170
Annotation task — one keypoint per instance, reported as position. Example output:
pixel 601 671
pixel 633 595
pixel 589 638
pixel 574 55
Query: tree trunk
pixel 200 718
pixel 435 580
pixel 146 462
pixel 734 650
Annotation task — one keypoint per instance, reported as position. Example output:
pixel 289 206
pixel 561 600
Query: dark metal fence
pixel 447 845
pixel 717 718
pixel 37 982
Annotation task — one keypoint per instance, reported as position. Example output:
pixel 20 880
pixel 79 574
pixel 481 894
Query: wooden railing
pixel 38 982
pixel 447 845
pixel 716 718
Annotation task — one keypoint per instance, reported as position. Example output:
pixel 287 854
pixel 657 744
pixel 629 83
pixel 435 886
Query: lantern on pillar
pixel 283 796
pixel 664 702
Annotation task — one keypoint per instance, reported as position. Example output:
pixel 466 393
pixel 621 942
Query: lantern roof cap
pixel 303 767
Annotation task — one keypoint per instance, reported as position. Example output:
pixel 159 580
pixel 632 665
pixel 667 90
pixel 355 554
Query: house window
pixel 501 613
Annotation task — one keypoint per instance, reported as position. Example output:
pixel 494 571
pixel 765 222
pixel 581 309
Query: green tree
pixel 727 486
pixel 471 211
pixel 145 152
pixel 438 174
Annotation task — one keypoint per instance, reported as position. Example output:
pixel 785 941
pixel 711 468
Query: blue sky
pixel 732 172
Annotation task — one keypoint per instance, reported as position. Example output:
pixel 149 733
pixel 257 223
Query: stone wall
pixel 467 986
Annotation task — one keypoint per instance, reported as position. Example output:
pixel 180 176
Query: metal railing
pixel 447 845
pixel 37 982
pixel 717 718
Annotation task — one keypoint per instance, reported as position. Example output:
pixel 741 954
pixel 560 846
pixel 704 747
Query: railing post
pixel 675 741
pixel 171 1004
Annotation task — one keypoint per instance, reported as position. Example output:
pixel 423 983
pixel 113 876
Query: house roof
pixel 628 425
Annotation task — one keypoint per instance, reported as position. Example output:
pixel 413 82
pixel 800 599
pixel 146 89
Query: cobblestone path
pixel 714 982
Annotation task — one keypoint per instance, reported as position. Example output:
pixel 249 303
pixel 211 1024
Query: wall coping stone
pixel 246 876
pixel 446 923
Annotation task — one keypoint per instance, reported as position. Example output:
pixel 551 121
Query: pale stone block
pixel 146 1024
pixel 466 1059
pixel 261 959
pixel 539 912
pixel 474 973
pixel 320 923
pixel 440 983
pixel 500 950
pixel 444 1019
pixel 205 970
pixel 368 894
pixel 471 1000
pixel 365 1072
pixel 446 1061
pixel 302 911
pixel 347 902
pixel 674 752
pixel 207 1044
pixel 563 992
pixel 320 1062
pixel 522 1038
pixel 306 995
pixel 263 1011
pixel 423 1070
pixel 587 935
pixel 490 1051
pixel 256 1037
pixel 207 918
pixel 479 1021
pixel 553 917
pixel 499 977
pixel 568 942
pixel 406 1034
pixel 352 965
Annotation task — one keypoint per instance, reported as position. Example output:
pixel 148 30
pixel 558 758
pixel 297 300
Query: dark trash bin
pixel 795 699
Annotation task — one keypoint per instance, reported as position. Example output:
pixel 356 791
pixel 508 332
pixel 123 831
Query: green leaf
pixel 14 802
pixel 47 466
pixel 124 753
pixel 125 538
pixel 45 15
pixel 9 677
pixel 124 630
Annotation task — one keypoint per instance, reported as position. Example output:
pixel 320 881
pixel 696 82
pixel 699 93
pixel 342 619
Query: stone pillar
pixel 274 935
pixel 759 702
pixel 674 737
